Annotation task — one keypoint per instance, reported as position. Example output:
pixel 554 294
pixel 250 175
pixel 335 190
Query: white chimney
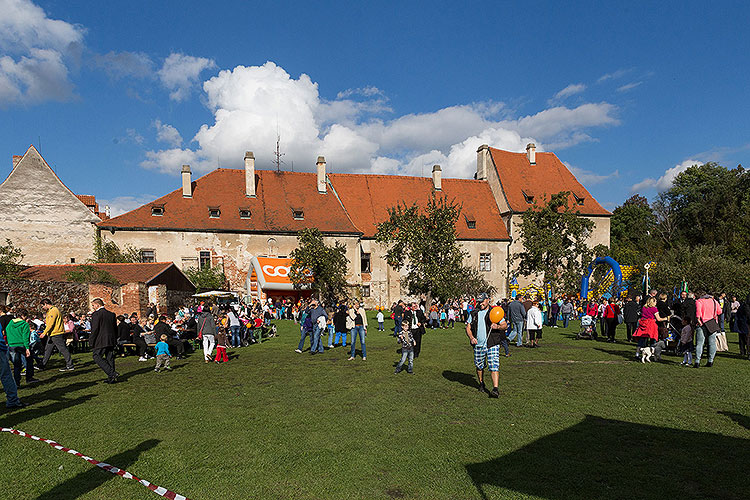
pixel 437 178
pixel 187 182
pixel 531 153
pixel 321 163
pixel 107 211
pixel 249 174
pixel 16 159
pixel 483 160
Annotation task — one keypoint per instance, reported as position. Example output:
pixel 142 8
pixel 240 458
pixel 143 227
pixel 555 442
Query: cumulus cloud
pixel 251 104
pixel 38 52
pixel 665 181
pixel 628 86
pixel 167 134
pixel 591 178
pixel 572 89
pixel 614 75
pixel 125 64
pixel 121 204
pixel 180 73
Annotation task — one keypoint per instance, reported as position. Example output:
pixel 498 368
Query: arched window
pixel 273 247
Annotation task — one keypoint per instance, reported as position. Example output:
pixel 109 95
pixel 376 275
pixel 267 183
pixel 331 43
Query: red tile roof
pixel 123 273
pixel 547 177
pixel 87 199
pixel 368 197
pixel 277 195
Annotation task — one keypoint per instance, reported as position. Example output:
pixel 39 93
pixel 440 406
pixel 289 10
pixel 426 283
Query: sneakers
pixel 709 364
pixel 351 358
pixel 156 370
pixel 410 372
pixel 495 393
pixel 697 365
pixel 482 388
pixel 67 369
pixel 364 358
pixel 397 371
pixel 298 351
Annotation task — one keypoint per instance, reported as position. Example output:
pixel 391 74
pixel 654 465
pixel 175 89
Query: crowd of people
pixel 655 323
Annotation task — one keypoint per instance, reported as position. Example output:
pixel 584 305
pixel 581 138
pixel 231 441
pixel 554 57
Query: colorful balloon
pixel 497 314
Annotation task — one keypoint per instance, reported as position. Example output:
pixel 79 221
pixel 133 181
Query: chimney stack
pixel 483 160
pixel 531 153
pixel 16 159
pixel 321 163
pixel 249 174
pixel 437 178
pixel 187 182
pixel 107 211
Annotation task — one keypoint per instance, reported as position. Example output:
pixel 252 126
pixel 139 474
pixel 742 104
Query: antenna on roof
pixel 278 154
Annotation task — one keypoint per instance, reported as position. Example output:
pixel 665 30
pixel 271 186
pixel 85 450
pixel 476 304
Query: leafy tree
pixel 633 226
pixel 207 278
pixel 424 243
pixel 319 266
pixel 555 243
pixel 109 252
pixel 10 260
pixel 86 273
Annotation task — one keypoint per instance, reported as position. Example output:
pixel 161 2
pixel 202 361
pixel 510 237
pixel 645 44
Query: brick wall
pixel 68 297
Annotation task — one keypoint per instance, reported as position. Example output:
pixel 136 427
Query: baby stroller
pixel 588 328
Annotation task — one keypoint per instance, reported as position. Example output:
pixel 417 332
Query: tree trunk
pixel 428 302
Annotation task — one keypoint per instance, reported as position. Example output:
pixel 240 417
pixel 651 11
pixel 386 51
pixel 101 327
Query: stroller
pixel 588 328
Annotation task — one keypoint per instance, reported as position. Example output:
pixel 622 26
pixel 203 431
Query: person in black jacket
pixel 103 339
pixel 416 320
pixel 631 313
pixel 486 337
pixel 162 327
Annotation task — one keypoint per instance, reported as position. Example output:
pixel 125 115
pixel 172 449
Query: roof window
pixel 471 221
pixel 214 212
pixel 579 199
pixel 157 210
pixel 528 197
pixel 298 214
pixel 245 213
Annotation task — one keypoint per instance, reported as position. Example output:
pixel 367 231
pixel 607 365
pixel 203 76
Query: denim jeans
pixel 6 377
pixel 317 342
pixel 358 330
pixel 18 357
pixel 566 318
pixel 517 332
pixel 340 336
pixel 397 328
pixel 235 331
pixel 304 333
pixel 381 326
pixel 700 339
pixel 331 333
pixel 406 354
pixel 721 321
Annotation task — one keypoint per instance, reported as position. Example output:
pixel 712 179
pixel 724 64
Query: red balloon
pixel 497 314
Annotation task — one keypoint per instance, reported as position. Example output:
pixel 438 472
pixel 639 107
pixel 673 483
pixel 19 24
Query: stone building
pixel 42 217
pixel 236 217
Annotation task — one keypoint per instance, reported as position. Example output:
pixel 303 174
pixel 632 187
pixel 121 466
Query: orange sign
pixel 273 273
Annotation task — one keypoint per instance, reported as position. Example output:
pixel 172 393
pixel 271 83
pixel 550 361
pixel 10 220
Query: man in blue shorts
pixel 486 338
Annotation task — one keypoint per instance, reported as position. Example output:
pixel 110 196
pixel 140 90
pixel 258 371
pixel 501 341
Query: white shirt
pixel 534 319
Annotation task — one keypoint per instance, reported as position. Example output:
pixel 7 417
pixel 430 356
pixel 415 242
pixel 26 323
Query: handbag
pixel 721 342
pixel 620 318
pixel 712 326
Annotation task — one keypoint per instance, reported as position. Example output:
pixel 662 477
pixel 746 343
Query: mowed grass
pixel 575 419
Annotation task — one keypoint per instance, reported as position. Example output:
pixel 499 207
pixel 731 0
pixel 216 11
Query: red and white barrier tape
pixel 171 495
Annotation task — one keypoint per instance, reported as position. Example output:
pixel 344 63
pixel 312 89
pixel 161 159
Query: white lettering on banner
pixel 270 270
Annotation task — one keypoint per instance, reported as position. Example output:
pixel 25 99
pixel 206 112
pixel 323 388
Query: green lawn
pixel 575 419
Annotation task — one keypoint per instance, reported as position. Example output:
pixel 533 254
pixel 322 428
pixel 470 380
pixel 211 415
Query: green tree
pixel 423 241
pixel 107 252
pixel 10 260
pixel 86 273
pixel 632 232
pixel 555 243
pixel 319 266
pixel 207 278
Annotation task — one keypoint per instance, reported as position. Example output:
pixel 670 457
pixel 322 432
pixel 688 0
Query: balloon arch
pixel 616 271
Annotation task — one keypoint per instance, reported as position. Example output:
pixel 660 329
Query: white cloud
pixel 628 86
pixel 121 204
pixel 180 72
pixel 614 75
pixel 665 181
pixel 125 64
pixel 572 89
pixel 587 177
pixel 167 134
pixel 38 50
pixel 250 104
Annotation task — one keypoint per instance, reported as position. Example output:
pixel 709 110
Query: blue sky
pixel 119 95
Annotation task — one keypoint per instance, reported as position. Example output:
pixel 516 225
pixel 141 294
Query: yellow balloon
pixel 497 314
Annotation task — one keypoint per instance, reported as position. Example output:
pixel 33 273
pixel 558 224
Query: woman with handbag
pixel 647 331
pixel 707 312
pixel 611 316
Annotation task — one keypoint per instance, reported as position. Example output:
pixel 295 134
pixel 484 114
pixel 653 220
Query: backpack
pixel 307 324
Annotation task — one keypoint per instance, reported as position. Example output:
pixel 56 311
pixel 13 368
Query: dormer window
pixel 245 213
pixel 528 197
pixel 157 210
pixel 298 214
pixel 471 221
pixel 214 212
pixel 579 199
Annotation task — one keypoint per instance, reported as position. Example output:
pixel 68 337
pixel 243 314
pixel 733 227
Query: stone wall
pixel 68 297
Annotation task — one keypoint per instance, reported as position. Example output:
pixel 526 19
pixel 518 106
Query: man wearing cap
pixel 316 311
pixel 486 338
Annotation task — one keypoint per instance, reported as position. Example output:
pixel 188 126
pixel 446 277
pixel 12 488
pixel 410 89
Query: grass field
pixel 575 419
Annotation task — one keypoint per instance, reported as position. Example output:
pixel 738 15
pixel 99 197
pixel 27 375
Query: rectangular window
pixel 485 262
pixel 471 224
pixel 72 260
pixel 298 215
pixel 365 290
pixel 244 213
pixel 148 256
pixel 204 260
pixel 157 211
pixel 365 263
pixel 214 213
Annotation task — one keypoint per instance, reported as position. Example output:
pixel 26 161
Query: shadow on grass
pixel 462 378
pixel 742 420
pixel 18 417
pixel 602 458
pixel 629 355
pixel 91 479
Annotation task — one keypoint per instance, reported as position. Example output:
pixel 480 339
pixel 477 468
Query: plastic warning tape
pixel 171 495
